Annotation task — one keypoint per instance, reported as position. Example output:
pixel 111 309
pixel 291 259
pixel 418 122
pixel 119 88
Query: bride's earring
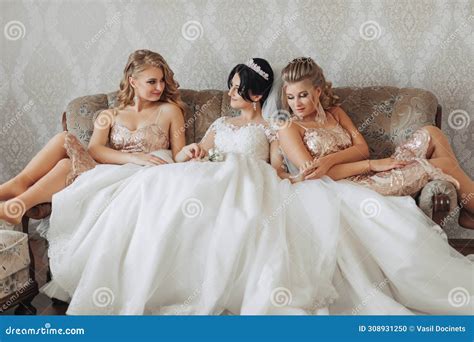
pixel 135 100
pixel 320 115
pixel 255 106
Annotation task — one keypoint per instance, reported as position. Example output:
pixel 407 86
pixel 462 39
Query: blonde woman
pixel 149 118
pixel 387 240
pixel 198 237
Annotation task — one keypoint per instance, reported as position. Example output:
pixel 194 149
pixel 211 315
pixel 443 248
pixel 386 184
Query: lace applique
pixel 250 139
pixel 81 160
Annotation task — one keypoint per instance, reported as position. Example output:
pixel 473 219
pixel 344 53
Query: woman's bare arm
pixel 98 148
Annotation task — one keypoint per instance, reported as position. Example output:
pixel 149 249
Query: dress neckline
pixel 133 131
pixel 249 124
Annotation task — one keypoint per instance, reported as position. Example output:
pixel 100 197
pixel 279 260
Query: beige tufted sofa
pixel 385 116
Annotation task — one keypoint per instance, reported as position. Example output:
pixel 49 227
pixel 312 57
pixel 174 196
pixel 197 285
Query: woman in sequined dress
pixel 330 144
pixel 149 118
pixel 391 258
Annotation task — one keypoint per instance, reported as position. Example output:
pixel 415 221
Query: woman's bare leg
pixel 441 155
pixel 40 192
pixel 39 166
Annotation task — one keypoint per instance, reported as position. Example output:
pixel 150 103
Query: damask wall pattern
pixel 52 51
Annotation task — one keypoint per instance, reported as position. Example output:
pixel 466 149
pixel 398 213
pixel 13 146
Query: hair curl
pixel 138 61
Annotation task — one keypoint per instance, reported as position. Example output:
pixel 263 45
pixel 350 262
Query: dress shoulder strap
pixel 296 122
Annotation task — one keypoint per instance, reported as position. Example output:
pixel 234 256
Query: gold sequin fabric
pixel 397 182
pixel 146 139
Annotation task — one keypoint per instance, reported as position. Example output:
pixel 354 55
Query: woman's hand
pixel 194 151
pixel 387 164
pixel 146 159
pixel 317 168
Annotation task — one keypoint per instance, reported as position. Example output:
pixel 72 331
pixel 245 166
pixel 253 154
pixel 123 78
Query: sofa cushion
pixel 387 116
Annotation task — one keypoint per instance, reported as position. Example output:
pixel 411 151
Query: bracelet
pixel 369 167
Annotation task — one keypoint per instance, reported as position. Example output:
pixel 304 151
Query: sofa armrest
pixel 437 199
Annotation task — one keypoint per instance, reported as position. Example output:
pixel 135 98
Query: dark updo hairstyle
pixel 251 82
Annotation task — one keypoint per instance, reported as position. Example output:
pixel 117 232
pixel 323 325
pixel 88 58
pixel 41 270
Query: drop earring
pixel 255 106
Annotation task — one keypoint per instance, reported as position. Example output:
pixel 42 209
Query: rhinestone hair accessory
pixel 255 67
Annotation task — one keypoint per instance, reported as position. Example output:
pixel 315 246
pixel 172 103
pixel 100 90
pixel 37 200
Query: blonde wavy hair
pixel 304 68
pixel 137 62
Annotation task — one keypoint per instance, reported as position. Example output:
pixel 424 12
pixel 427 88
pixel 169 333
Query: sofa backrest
pixel 385 115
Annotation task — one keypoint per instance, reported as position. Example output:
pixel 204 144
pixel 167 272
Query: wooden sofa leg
pixel 25 307
pixel 441 205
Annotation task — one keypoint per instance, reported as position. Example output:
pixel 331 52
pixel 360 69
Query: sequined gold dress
pixel 193 238
pixel 144 139
pixel 397 182
pixel 391 258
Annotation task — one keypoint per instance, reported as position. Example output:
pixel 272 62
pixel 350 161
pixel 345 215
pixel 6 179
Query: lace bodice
pixel 145 139
pixel 251 139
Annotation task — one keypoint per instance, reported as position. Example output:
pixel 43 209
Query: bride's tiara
pixel 255 67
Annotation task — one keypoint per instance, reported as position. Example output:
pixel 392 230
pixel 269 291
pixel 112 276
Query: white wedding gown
pixel 195 237
pixel 391 258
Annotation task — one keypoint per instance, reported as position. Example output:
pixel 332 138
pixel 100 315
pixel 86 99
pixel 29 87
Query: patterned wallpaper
pixel 53 51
